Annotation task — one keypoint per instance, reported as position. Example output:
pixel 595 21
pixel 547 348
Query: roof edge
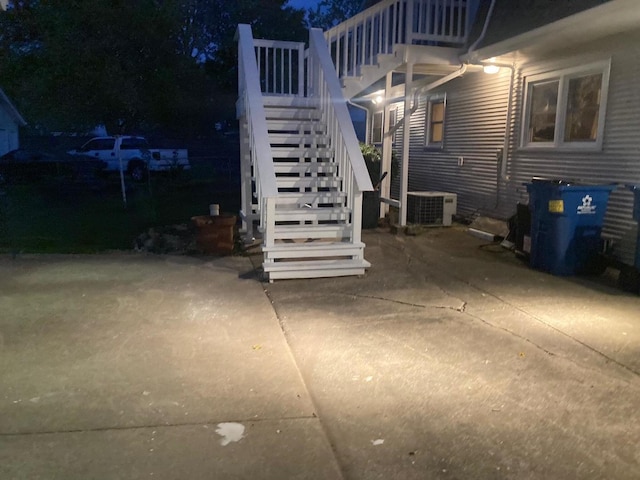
pixel 618 15
pixel 12 109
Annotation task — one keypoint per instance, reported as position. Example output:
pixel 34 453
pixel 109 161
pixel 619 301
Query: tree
pixel 72 64
pixel 329 13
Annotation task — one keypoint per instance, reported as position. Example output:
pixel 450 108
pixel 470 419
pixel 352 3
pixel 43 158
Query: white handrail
pixel 251 96
pixel 324 83
pixel 378 29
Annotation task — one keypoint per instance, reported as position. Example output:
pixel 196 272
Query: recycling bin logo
pixel 587 207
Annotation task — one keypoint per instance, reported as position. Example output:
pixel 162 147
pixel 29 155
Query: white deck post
pixel 246 191
pixel 387 149
pixel 404 166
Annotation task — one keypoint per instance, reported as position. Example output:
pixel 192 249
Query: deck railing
pixel 378 29
pixel 273 68
pixel 281 67
pixel 251 109
pixel 323 85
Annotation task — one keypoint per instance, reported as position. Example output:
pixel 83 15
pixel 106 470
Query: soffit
pixel 609 19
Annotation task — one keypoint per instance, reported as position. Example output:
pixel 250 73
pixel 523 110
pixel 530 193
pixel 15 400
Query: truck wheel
pixel 137 171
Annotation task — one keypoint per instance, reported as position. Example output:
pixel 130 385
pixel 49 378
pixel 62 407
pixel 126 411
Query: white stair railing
pixel 324 86
pixel 251 108
pixel 377 30
pixel 276 68
pixel 281 67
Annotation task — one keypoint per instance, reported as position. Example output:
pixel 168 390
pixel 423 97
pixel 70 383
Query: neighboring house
pixel 10 121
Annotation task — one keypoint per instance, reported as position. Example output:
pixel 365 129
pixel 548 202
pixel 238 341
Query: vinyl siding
pixel 474 130
pixel 475 127
pixel 619 159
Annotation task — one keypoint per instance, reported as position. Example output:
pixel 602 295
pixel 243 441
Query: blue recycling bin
pixel 566 225
pixel 636 216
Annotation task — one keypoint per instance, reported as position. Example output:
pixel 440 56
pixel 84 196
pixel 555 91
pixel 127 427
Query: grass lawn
pixel 53 215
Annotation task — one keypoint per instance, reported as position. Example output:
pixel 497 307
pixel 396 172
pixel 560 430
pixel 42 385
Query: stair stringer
pixel 367 75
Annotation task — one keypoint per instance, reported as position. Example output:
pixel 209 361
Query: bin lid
pixel 553 181
pixel 561 184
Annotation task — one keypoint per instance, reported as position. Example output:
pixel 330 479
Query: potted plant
pixel 371 200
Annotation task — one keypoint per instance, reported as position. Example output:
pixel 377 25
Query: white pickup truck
pixel 137 158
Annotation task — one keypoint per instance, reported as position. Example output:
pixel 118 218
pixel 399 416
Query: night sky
pixel 303 3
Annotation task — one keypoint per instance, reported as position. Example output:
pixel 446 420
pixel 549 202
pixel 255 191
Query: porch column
pixel 387 149
pixel 406 129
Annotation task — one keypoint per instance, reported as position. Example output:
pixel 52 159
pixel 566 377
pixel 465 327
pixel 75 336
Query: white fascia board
pixel 613 17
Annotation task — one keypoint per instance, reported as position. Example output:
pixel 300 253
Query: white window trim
pixel 440 98
pixel 563 76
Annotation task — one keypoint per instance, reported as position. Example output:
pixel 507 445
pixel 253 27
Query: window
pixel 98 144
pixel 393 119
pixel 434 128
pixel 566 109
pixel 134 143
pixel 376 127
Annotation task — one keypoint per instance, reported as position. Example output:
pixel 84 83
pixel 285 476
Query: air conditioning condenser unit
pixel 431 208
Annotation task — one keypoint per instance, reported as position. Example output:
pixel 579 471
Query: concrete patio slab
pixel 449 359
pixel 102 354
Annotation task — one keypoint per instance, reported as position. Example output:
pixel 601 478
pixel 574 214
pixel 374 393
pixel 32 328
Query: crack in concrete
pixel 535 318
pixel 116 428
pixel 460 309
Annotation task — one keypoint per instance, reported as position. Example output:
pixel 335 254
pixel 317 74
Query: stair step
pixel 305 152
pixel 310 214
pixel 271 101
pixel 311 140
pixel 305 168
pixel 314 249
pixel 311 198
pixel 312 231
pixel 284 113
pixel 315 268
pixel 308 182
pixel 278 125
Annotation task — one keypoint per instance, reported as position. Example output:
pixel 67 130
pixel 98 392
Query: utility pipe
pixel 426 88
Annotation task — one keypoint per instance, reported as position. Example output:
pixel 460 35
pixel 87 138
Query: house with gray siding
pixel 10 123
pixel 562 103
pixel 474 98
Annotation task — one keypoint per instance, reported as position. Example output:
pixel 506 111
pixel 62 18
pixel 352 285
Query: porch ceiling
pixel 611 18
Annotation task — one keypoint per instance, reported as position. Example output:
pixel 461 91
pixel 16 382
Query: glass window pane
pixel 436 132
pixel 542 111
pixel 437 112
pixel 583 106
pixel 376 133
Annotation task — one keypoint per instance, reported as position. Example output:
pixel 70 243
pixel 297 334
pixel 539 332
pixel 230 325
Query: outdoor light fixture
pixel 377 99
pixel 490 69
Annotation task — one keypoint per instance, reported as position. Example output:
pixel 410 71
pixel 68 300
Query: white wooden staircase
pixel 302 170
pixel 313 221
pixel 303 175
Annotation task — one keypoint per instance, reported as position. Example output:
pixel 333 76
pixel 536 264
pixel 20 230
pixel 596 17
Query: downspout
pixel 484 28
pixel 504 154
pixel 507 135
